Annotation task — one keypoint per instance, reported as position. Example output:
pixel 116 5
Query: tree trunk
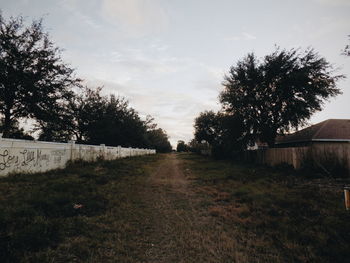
pixel 7 124
pixel 272 137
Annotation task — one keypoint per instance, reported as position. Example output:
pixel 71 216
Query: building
pixel 332 131
pixel 325 145
pixel 258 145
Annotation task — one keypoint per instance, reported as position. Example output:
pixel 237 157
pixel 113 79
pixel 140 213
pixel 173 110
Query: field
pixel 41 219
pixel 172 208
pixel 278 215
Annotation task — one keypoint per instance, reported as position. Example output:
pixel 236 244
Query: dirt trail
pixel 169 173
pixel 182 230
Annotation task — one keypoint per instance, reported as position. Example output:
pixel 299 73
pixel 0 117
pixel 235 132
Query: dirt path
pixel 182 230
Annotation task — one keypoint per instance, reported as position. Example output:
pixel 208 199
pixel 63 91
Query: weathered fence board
pixel 322 154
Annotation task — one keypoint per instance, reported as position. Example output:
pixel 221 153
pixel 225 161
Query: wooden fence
pixel 323 155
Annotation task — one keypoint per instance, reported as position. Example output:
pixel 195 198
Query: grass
pixel 158 209
pixel 277 215
pixel 88 212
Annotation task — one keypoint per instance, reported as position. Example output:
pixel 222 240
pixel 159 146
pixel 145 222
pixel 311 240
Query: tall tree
pixel 34 82
pixel 95 118
pixel 78 117
pixel 279 93
pixel 119 124
pixel 91 117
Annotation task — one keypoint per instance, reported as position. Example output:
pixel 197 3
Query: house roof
pixel 329 130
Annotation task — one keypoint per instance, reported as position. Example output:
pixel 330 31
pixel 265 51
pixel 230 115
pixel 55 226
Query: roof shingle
pixel 332 129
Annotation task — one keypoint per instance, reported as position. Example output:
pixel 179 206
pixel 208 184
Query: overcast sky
pixel 168 57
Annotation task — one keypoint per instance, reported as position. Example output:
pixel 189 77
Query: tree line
pixel 36 85
pixel 264 98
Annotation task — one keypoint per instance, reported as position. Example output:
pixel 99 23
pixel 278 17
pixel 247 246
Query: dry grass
pixel 171 208
pixel 274 215
pixel 85 213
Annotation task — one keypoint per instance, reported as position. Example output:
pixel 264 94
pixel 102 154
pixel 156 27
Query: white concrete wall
pixel 22 156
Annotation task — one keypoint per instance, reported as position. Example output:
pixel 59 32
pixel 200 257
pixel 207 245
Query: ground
pixel 182 230
pixel 172 208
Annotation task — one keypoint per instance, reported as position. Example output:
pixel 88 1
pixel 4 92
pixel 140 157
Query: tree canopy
pixel 207 127
pixel 158 139
pixel 225 133
pixel 266 97
pixel 34 81
pixel 181 146
pixel 93 118
pixel 278 93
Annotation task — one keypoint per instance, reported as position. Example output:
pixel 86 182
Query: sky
pixel 169 57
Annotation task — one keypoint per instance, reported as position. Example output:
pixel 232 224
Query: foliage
pixel 158 139
pixel 117 124
pixel 181 146
pixel 233 136
pixel 34 82
pixel 93 118
pixel 278 93
pixel 207 127
pixel 16 132
pixel 196 147
pixel 223 132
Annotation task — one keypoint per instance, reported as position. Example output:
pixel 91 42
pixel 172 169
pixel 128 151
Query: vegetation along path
pixel 172 208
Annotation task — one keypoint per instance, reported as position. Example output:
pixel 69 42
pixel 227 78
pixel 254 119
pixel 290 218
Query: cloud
pixel 328 27
pixel 135 17
pixel 243 36
pixel 158 46
pixel 150 59
pixel 334 2
pixel 73 6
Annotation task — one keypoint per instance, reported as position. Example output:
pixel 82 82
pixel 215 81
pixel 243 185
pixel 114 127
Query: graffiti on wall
pixel 29 157
pixel 20 156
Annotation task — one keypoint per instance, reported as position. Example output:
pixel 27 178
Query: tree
pixel 207 127
pixel 84 111
pixel 16 132
pixel 34 82
pixel 156 137
pixel 93 118
pixel 181 146
pixel 223 132
pixel 119 125
pixel 158 140
pixel 74 119
pixel 279 93
pixel 194 146
pixel 107 119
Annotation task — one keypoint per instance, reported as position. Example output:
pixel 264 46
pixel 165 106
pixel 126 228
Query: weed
pixel 298 217
pixel 60 214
